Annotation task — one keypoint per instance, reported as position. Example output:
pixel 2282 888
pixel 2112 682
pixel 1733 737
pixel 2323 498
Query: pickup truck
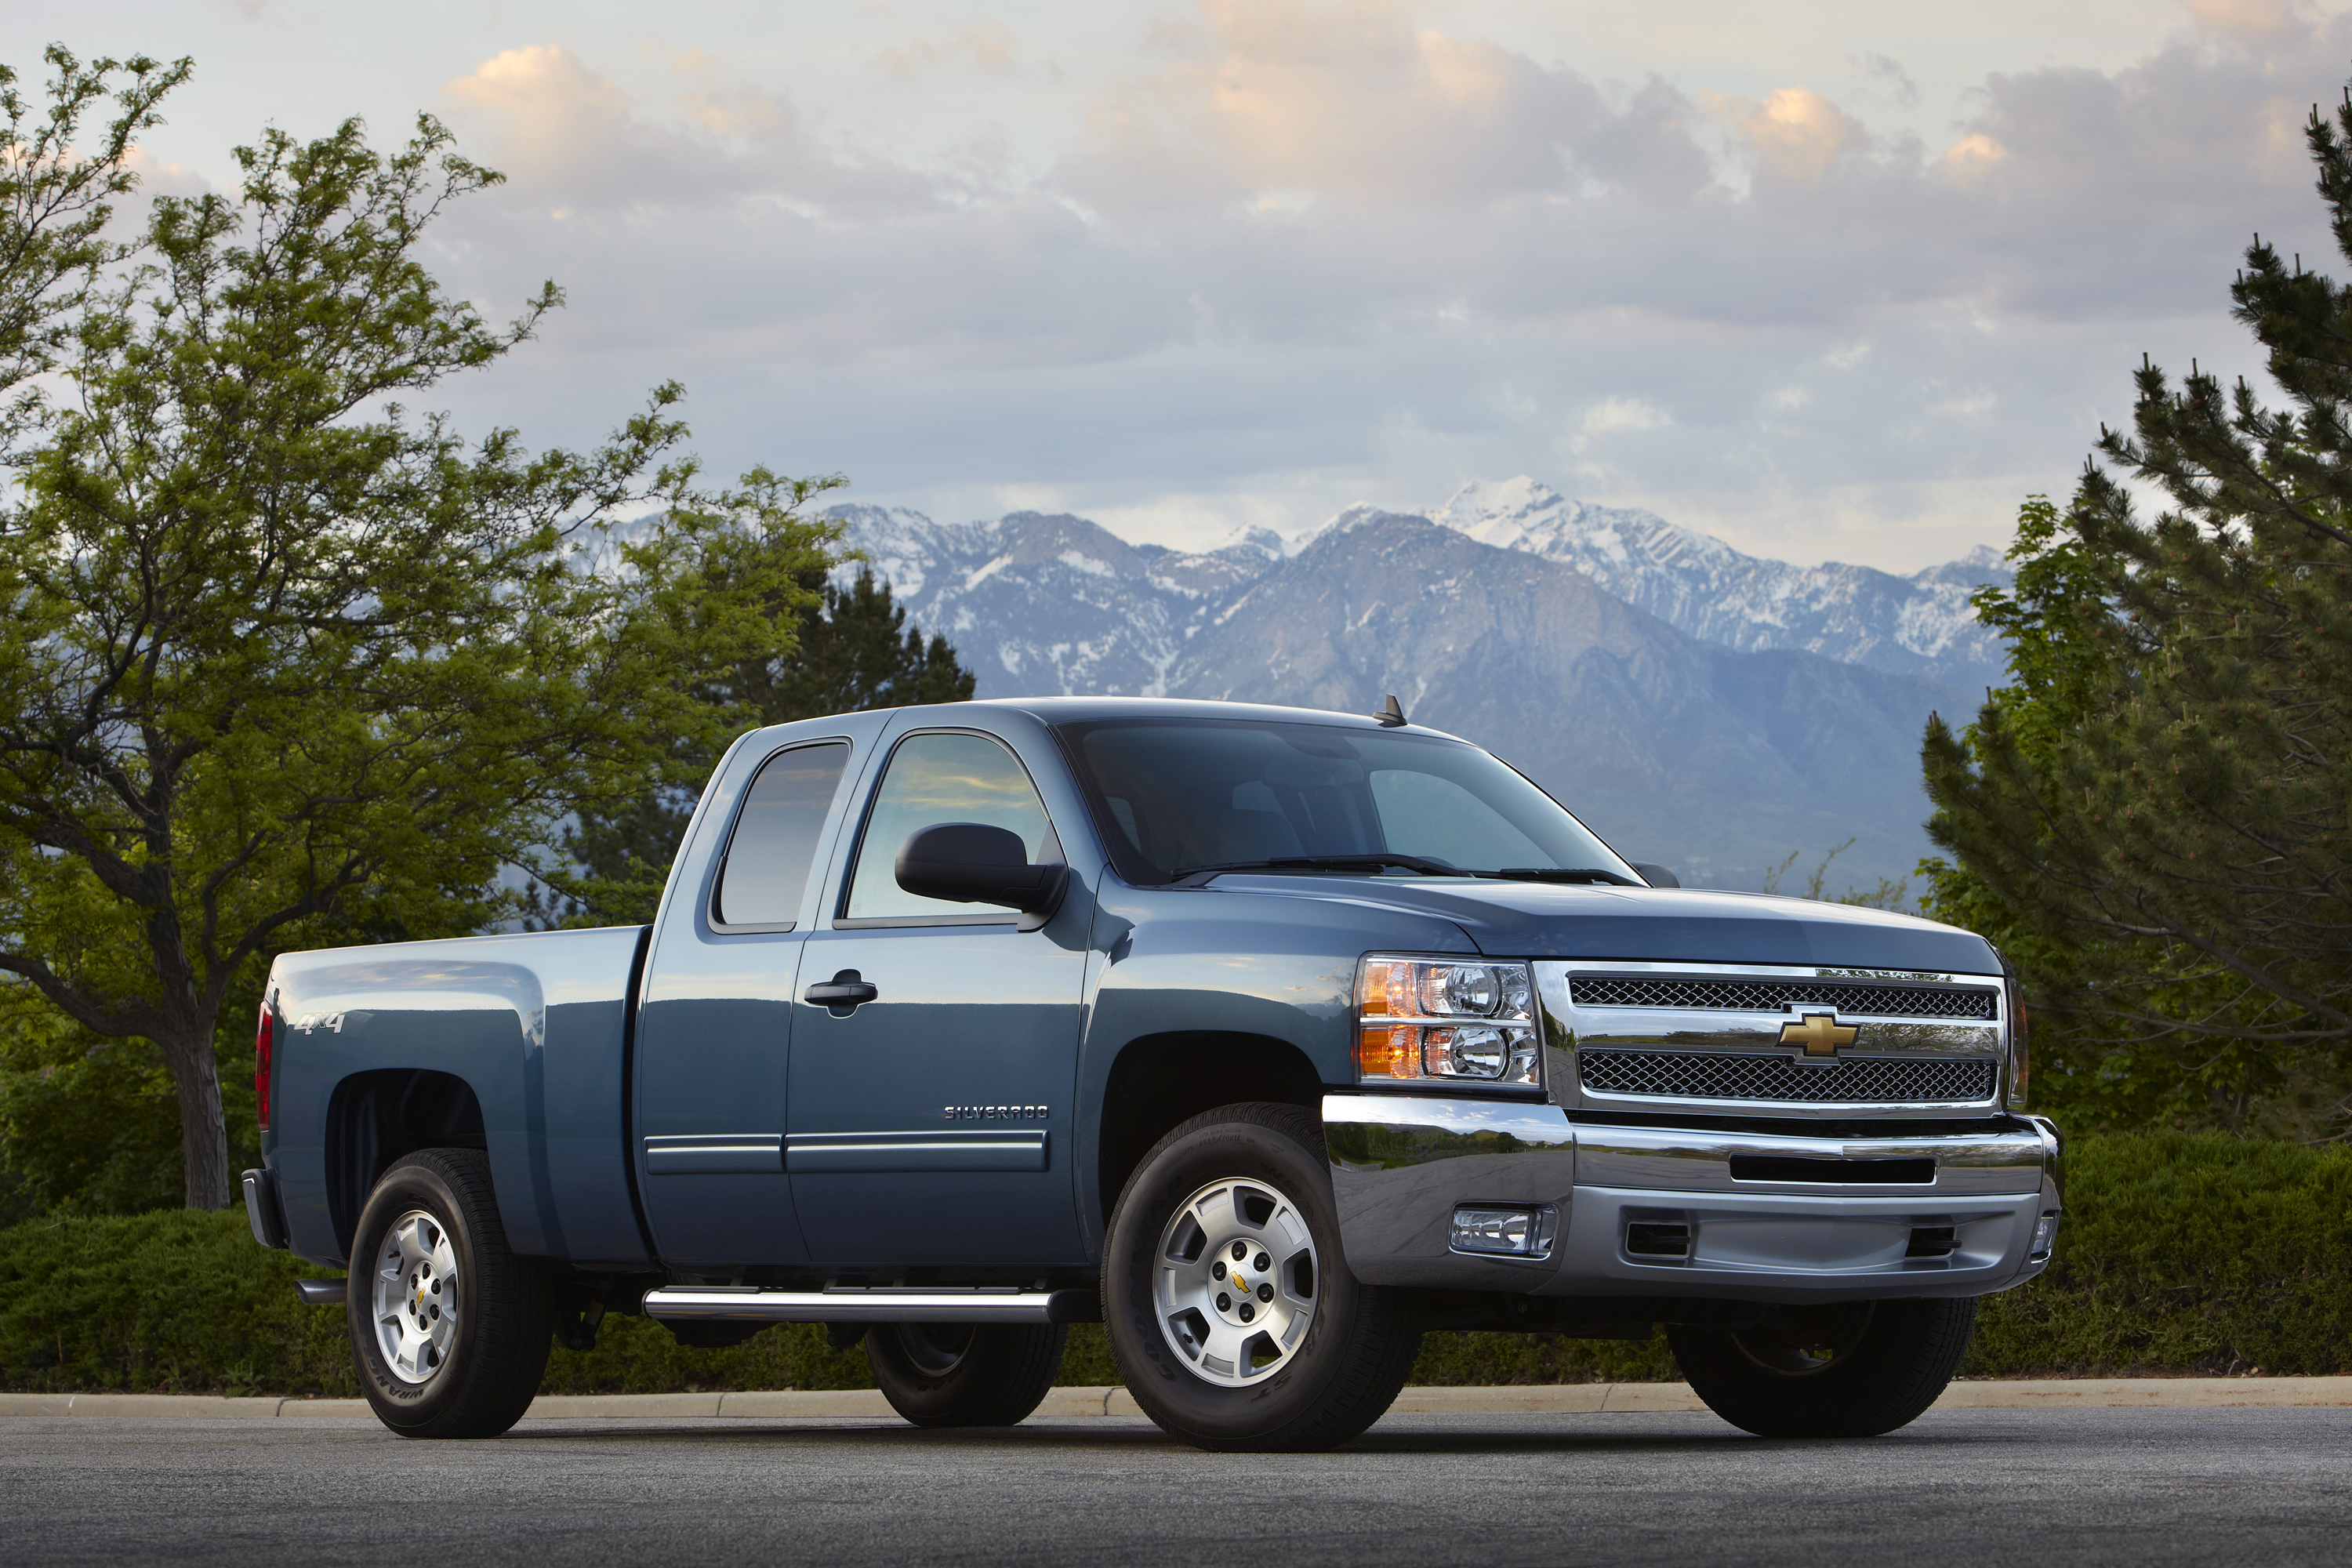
pixel 1269 1038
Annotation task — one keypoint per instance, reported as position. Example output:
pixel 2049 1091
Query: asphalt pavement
pixel 1959 1486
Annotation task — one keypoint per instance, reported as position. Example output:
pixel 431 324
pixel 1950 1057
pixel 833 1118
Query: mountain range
pixel 1708 709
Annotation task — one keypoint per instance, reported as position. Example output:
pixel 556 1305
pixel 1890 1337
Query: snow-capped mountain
pixel 1718 709
pixel 1042 603
pixel 1920 625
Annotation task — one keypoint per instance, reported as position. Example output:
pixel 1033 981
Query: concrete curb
pixel 867 1405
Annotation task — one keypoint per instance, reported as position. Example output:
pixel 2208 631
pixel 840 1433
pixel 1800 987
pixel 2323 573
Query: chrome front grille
pixel 1861 1080
pixel 1776 995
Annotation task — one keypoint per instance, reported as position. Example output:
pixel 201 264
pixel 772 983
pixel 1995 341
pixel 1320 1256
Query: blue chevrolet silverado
pixel 1270 1038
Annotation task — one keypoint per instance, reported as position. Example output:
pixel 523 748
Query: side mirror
pixel 1657 875
pixel 972 863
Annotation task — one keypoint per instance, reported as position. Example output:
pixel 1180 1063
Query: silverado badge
pixel 1820 1033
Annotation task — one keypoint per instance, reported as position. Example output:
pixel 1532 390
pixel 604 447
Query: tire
pixel 1306 1357
pixel 1854 1371
pixel 964 1374
pixel 431 1229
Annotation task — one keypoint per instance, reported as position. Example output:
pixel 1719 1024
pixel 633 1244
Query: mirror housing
pixel 973 863
pixel 1657 875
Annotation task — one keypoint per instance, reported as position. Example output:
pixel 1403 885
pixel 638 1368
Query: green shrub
pixel 2182 1253
pixel 2187 1253
pixel 172 1303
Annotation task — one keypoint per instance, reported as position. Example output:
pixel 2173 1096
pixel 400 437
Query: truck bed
pixel 526 1036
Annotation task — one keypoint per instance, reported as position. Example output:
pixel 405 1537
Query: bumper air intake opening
pixel 1656 1238
pixel 1933 1241
pixel 1866 1173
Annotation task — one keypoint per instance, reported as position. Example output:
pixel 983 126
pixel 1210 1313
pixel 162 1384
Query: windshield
pixel 1186 794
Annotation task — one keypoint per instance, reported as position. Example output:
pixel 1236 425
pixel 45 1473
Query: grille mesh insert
pixel 1777 995
pixel 1703 1075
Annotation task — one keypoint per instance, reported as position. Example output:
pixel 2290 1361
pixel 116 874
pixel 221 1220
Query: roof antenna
pixel 1392 716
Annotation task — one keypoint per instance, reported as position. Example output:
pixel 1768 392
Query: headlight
pixel 1443 1018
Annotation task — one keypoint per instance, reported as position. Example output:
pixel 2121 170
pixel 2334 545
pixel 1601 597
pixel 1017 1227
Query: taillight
pixel 261 1068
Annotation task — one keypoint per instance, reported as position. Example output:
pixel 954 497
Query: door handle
pixel 841 995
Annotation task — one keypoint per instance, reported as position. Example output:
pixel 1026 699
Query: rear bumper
pixel 1403 1164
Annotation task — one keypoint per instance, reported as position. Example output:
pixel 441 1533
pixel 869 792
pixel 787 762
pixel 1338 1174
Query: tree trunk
pixel 204 1136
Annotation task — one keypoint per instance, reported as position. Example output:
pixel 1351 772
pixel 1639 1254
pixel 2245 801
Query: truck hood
pixel 1655 925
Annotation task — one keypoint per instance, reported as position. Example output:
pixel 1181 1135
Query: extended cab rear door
pixel 715 1018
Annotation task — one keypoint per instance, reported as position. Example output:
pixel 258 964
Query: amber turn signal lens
pixel 1388 1053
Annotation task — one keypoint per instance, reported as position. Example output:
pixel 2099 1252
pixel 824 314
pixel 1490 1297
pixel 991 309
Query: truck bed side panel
pixel 535 1024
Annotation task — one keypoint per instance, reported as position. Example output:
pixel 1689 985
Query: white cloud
pixel 558 128
pixel 1616 415
pixel 2261 20
pixel 1795 134
pixel 1321 252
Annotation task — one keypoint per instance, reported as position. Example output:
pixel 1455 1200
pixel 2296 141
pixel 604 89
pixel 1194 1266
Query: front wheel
pixel 1228 1301
pixel 449 1329
pixel 1852 1371
pixel 964 1374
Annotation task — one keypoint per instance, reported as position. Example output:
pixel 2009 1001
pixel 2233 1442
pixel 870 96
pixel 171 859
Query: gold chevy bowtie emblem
pixel 1821 1034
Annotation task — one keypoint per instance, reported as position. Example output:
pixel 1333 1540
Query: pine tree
pixel 2163 796
pixel 854 651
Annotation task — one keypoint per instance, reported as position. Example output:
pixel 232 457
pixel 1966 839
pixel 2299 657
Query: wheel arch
pixel 1159 1082
pixel 375 1117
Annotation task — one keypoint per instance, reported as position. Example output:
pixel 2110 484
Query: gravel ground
pixel 2268 1486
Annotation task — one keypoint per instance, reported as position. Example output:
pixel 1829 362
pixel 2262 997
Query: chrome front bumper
pixel 1401 1165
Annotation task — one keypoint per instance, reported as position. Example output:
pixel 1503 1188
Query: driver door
pixel 931 1124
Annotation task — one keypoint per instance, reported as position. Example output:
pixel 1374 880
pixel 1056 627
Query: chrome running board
pixel 883 1304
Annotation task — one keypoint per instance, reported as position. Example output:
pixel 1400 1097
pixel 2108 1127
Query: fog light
pixel 2045 1235
pixel 1505 1232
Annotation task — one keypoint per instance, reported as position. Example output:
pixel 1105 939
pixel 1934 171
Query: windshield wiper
pixel 1426 867
pixel 1561 874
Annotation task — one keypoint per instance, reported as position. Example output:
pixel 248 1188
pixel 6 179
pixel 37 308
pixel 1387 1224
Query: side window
pixel 934 779
pixel 768 860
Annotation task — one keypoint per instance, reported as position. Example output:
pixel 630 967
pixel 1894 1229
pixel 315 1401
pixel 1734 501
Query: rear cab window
pixel 764 873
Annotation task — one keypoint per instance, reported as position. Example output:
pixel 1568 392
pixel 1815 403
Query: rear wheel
pixel 1855 1370
pixel 964 1374
pixel 1228 1301
pixel 449 1329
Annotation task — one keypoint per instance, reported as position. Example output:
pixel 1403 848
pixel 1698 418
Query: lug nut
pixel 1217 1270
pixel 1263 1263
pixel 1248 1312
pixel 1241 1250
pixel 1265 1292
pixel 1225 1302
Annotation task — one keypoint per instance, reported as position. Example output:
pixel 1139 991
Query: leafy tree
pixel 851 650
pixel 2162 798
pixel 55 192
pixel 87 1125
pixel 281 661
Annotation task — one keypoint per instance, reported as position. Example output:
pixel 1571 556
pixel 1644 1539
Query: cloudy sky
pixel 1843 281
